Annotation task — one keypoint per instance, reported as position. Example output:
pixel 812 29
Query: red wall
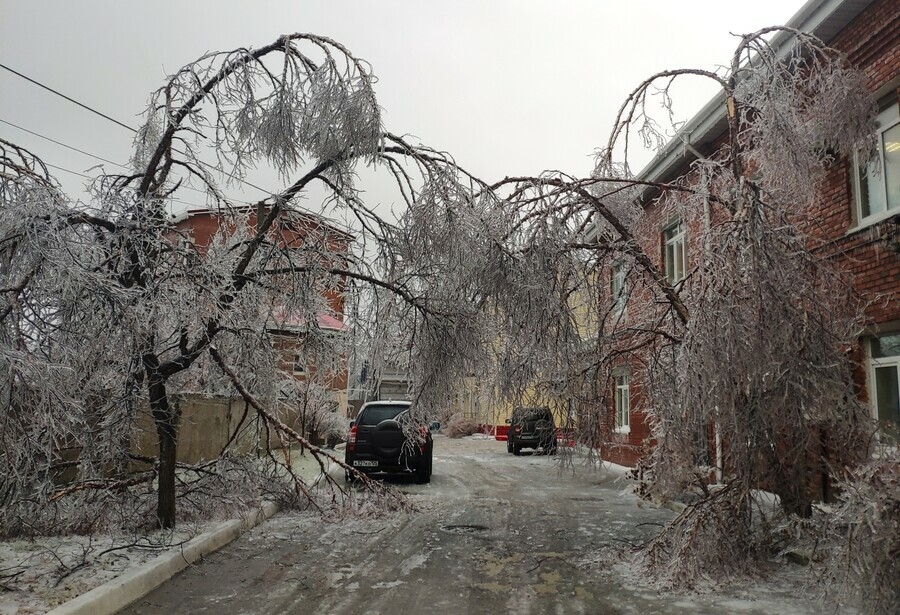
pixel 872 255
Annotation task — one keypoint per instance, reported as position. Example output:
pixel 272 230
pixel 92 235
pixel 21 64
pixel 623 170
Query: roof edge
pixel 320 219
pixel 819 17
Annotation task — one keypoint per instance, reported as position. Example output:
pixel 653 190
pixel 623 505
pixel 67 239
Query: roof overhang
pixel 318 219
pixel 823 18
pixel 289 322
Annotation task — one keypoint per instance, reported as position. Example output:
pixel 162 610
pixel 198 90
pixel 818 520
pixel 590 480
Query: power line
pixel 115 121
pixel 74 149
pixel 127 127
pixel 82 105
pixel 59 168
pixel 102 159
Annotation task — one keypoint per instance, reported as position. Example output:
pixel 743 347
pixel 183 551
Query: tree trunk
pixel 791 474
pixel 166 420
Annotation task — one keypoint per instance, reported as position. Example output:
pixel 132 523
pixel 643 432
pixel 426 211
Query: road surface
pixel 494 534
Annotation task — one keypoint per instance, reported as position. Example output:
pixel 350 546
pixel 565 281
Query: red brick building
pixel 857 222
pixel 292 230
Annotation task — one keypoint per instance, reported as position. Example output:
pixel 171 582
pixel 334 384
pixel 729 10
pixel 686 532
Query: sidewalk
pixel 104 575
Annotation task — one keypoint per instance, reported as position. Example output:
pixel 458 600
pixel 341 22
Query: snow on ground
pixel 594 516
pixel 493 533
pixel 39 574
pixel 479 436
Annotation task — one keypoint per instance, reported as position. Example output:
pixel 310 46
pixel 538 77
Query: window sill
pixel 622 430
pixel 872 221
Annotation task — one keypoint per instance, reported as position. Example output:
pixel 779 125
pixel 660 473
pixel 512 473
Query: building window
pixel 299 366
pixel 878 182
pixel 674 253
pixel 187 248
pixel 618 288
pixel 623 404
pixel 884 384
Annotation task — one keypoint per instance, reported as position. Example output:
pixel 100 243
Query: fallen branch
pixel 316 451
pixel 105 485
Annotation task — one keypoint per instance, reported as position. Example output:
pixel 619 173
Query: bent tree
pixel 105 308
pixel 108 308
pixel 750 347
pixel 751 344
pixel 762 358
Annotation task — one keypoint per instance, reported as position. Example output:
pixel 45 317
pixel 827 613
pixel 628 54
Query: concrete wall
pixel 206 425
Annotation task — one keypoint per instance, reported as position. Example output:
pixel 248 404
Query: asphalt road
pixel 494 534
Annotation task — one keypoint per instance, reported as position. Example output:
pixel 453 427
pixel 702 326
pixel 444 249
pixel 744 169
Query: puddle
pixel 464 529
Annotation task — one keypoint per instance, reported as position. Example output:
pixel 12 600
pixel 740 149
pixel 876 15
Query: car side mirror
pixel 352 424
pixel 508 421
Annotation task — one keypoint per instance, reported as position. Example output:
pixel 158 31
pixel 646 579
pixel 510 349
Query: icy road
pixel 494 534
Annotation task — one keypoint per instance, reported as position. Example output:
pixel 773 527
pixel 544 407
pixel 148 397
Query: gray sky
pixel 507 87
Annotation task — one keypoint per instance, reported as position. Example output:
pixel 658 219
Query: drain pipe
pixel 707 224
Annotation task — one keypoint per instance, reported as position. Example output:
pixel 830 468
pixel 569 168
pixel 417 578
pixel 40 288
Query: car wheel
pixel 423 472
pixel 509 446
pixel 553 450
pixel 517 451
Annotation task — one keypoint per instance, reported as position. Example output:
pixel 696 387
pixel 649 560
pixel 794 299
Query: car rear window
pixel 375 414
pixel 533 414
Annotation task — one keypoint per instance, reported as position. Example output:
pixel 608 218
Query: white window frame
pixel 619 276
pixel 622 403
pixel 859 174
pixel 876 363
pixel 678 243
pixel 298 368
pixel 187 244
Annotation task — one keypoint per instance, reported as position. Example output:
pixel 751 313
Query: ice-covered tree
pixel 105 308
pixel 753 346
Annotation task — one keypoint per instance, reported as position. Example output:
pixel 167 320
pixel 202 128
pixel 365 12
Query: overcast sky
pixel 507 87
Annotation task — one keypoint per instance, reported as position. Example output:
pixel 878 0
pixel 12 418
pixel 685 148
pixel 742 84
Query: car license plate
pixel 365 463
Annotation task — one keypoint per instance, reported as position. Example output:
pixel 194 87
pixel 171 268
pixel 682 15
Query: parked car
pixel 378 442
pixel 531 428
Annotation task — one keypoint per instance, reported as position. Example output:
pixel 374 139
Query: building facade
pixel 289 331
pixel 857 226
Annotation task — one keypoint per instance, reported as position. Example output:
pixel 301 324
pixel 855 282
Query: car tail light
pixel 351 439
pixel 423 435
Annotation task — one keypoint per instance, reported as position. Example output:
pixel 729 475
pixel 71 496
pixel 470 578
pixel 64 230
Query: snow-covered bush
pixel 459 426
pixel 863 538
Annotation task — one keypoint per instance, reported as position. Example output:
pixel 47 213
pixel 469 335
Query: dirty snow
pixel 493 533
pixel 39 574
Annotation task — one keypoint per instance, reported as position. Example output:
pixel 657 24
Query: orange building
pixel 292 230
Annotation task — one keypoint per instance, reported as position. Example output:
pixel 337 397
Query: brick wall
pixel 202 226
pixel 871 254
pixel 872 44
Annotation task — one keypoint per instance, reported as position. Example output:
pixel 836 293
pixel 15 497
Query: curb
pixel 118 593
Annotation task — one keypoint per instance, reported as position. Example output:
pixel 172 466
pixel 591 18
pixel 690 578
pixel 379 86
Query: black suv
pixel 377 442
pixel 531 428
